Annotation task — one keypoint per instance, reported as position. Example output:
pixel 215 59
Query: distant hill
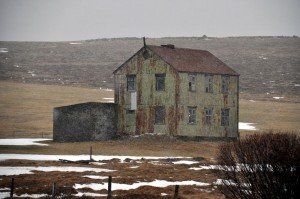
pixel 266 64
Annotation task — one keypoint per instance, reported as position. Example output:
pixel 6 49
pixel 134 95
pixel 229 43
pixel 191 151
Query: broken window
pixel 192 82
pixel 131 82
pixel 160 82
pixel 225 117
pixel 208 116
pixel 160 115
pixel 192 115
pixel 225 83
pixel 208 83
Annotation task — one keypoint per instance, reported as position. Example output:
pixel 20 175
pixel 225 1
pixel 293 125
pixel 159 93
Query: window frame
pixel 131 81
pixel 160 78
pixel 209 83
pixel 225 79
pixel 192 82
pixel 160 114
pixel 192 117
pixel 225 116
pixel 210 116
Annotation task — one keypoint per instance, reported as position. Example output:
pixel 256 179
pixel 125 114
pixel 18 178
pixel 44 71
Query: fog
pixel 60 20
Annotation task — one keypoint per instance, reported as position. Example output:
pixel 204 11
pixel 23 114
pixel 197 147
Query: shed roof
pixel 192 60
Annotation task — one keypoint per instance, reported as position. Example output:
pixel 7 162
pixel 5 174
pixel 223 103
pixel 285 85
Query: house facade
pixel 176 91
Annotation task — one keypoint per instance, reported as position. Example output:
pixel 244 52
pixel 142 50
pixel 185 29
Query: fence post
pixel 109 196
pixel 12 186
pixel 53 189
pixel 91 153
pixel 176 195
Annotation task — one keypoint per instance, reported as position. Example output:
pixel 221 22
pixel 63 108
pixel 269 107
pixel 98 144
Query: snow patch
pixel 246 126
pixel 23 141
pixel 108 98
pixel 134 167
pixel 229 183
pixel 4 194
pixel 8 171
pixel 40 157
pixel 278 98
pixel 3 50
pixel 26 195
pixel 155 183
pixel 95 177
pixel 97 163
pixel 251 101
pixel 296 85
pixel 262 57
pixel 89 194
pixel 75 43
pixel 189 162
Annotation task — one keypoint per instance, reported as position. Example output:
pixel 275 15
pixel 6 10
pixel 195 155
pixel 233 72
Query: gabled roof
pixel 192 60
pixel 189 60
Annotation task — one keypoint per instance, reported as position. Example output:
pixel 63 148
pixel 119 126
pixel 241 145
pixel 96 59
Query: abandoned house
pixel 161 90
pixel 176 91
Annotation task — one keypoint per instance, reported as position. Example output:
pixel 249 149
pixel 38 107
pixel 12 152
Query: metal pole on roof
pixel 144 40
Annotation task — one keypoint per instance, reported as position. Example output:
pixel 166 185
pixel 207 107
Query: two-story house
pixel 177 91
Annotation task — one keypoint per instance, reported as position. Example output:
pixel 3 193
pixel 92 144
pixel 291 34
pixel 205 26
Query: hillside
pixel 266 64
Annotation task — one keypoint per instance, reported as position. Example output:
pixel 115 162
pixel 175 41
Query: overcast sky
pixel 53 20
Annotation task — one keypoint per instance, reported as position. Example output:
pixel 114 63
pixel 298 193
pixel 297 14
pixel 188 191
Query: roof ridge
pixel 178 48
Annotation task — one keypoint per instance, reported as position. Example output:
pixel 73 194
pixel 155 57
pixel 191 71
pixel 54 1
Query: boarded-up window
pixel 208 83
pixel 160 82
pixel 192 115
pixel 160 113
pixel 208 116
pixel 131 82
pixel 225 83
pixel 225 117
pixel 192 82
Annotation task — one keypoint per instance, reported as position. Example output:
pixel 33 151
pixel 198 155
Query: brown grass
pixel 26 109
pixel 41 182
pixel 270 115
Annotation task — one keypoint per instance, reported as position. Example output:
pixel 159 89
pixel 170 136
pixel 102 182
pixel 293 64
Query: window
pixel 130 111
pixel 192 82
pixel 192 115
pixel 208 83
pixel 160 82
pixel 160 115
pixel 131 82
pixel 225 83
pixel 208 116
pixel 225 117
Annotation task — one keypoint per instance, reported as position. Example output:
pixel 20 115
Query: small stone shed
pixel 85 122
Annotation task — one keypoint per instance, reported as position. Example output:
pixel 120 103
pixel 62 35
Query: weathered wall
pixel 85 122
pixel 142 121
pixel 216 100
pixel 176 98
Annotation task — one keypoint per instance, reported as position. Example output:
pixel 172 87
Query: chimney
pixel 144 40
pixel 172 46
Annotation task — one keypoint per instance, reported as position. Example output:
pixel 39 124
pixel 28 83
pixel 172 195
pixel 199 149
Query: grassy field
pixel 26 109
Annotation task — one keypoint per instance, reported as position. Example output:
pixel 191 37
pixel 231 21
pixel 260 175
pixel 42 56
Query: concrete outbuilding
pixel 85 122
